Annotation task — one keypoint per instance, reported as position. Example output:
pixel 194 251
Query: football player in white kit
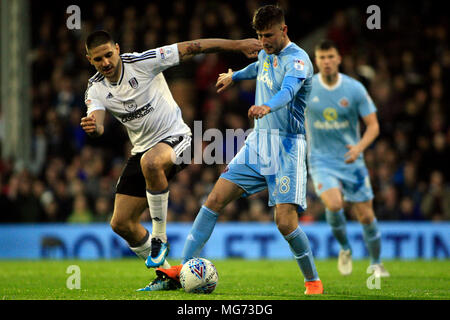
pixel 132 88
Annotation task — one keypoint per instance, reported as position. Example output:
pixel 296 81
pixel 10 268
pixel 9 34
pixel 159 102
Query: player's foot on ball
pixel 345 262
pixel 160 284
pixel 171 273
pixel 314 287
pixel 158 253
pixel 379 270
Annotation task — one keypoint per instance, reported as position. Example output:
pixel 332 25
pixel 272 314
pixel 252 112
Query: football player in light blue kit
pixel 274 154
pixel 335 152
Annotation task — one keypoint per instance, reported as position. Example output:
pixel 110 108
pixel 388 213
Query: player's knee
pixel 366 217
pixel 285 225
pixel 150 164
pixel 120 227
pixel 215 202
pixel 334 206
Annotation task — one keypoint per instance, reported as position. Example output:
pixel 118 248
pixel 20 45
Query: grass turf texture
pixel 238 280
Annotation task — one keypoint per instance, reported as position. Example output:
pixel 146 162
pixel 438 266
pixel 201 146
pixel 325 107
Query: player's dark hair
pixel 97 38
pixel 326 44
pixel 266 16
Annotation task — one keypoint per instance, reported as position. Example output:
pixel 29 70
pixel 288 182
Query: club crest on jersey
pixel 299 64
pixel 133 83
pixel 130 105
pixel 275 62
pixel 344 102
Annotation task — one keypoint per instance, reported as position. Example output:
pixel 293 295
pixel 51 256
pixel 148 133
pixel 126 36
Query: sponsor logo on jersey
pixel 137 114
pixel 133 83
pixel 330 114
pixel 264 77
pixel 331 125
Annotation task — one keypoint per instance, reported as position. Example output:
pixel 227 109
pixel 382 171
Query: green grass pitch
pixel 238 280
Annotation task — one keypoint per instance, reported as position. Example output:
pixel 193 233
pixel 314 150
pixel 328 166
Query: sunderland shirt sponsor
pixel 141 99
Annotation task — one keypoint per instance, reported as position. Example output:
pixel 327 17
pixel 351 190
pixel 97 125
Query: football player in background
pixel 335 153
pixel 274 154
pixel 131 86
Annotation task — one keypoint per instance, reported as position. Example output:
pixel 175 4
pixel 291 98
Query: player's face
pixel 274 38
pixel 328 61
pixel 105 58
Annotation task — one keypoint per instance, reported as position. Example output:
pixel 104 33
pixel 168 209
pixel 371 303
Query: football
pixel 199 275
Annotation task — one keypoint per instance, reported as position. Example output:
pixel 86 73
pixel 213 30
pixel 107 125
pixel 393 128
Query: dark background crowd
pixel 405 66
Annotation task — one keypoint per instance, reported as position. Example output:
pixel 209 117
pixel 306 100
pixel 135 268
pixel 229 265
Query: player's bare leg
pixel 372 237
pixel 286 219
pixel 126 223
pixel 332 199
pixel 155 163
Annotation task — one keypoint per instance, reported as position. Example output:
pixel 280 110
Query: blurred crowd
pixel 405 67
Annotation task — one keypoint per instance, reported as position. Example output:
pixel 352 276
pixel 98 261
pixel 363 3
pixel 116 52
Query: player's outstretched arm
pixel 227 79
pixel 250 47
pixel 93 123
pixel 224 81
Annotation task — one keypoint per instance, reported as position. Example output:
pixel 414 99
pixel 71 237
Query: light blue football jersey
pixel 332 118
pixel 272 69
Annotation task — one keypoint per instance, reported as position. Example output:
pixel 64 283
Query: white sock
pixel 157 204
pixel 143 250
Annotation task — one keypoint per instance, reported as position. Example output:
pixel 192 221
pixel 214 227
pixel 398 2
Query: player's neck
pixel 330 80
pixel 285 44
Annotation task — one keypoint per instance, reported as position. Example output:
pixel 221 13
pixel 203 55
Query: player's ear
pixel 339 59
pixel 89 58
pixel 117 48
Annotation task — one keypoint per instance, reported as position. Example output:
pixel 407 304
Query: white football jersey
pixel 141 99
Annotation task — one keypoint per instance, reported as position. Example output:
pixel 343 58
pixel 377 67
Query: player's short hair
pixel 326 44
pixel 97 38
pixel 266 16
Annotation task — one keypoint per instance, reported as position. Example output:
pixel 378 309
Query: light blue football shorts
pixel 352 179
pixel 273 161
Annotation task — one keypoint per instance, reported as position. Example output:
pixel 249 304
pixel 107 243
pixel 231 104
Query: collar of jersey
pixel 121 75
pixel 282 50
pixel 333 87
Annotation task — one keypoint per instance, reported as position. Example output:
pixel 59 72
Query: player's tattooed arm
pixel 188 49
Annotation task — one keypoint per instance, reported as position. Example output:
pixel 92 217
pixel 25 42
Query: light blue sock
pixel 200 232
pixel 299 245
pixel 372 238
pixel 338 225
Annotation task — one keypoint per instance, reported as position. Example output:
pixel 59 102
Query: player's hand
pixel 256 112
pixel 250 47
pixel 224 81
pixel 89 124
pixel 352 154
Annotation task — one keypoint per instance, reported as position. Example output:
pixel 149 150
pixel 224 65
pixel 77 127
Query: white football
pixel 199 275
